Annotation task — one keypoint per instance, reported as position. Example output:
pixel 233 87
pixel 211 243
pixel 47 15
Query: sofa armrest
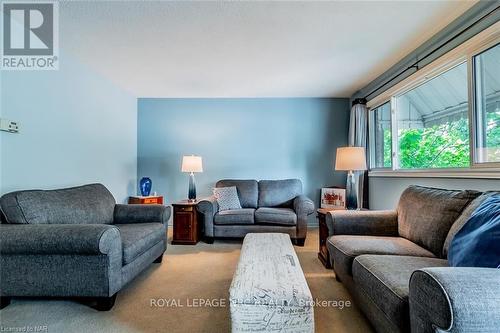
pixel 456 299
pixel 362 222
pixel 303 206
pixel 207 207
pixel 142 214
pixel 59 239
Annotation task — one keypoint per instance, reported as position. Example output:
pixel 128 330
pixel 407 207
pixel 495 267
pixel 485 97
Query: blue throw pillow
pixel 477 244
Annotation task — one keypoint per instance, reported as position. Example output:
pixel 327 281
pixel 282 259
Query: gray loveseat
pixel 394 264
pixel 267 206
pixel 76 242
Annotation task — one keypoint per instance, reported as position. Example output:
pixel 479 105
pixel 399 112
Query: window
pixel 381 137
pixel 443 120
pixel 487 105
pixel 432 123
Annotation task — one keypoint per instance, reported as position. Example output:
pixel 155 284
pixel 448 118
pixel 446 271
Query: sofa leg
pixel 159 259
pixel 4 301
pixel 104 303
pixel 299 241
pixel 209 240
pixel 337 278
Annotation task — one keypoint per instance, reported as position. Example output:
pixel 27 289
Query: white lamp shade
pixel 191 164
pixel 350 158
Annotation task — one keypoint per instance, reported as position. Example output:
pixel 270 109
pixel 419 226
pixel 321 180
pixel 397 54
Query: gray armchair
pixel 267 206
pixel 76 242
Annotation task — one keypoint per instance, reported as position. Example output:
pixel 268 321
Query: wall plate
pixel 9 126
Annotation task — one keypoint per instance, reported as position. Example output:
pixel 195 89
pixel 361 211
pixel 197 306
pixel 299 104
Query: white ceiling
pixel 247 49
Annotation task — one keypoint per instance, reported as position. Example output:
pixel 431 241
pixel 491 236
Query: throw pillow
pixel 463 218
pixel 477 244
pixel 227 198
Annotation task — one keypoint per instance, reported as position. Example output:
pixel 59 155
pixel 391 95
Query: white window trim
pixel 371 127
pixel 472 97
pixel 483 173
pixel 463 53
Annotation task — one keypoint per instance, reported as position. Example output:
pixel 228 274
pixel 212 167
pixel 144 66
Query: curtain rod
pixel 415 64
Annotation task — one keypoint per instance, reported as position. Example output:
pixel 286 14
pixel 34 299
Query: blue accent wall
pixel 76 128
pixel 271 138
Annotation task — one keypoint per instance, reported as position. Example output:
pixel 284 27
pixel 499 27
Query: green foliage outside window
pixel 439 146
pixel 387 148
pixel 493 135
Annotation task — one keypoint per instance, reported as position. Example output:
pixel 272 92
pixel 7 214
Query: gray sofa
pixel 267 206
pixel 76 242
pixel 394 264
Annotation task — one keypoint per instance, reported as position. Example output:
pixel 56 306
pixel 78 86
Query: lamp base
pixel 351 192
pixel 192 188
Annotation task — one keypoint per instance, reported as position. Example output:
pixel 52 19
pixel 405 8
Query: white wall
pixel 1 133
pixel 385 191
pixel 76 128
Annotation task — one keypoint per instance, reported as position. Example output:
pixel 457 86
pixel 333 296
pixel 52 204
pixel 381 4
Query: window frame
pixel 472 106
pixel 463 53
pixel 446 66
pixel 371 128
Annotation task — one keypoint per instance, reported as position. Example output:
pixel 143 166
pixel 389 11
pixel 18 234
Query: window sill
pixel 482 173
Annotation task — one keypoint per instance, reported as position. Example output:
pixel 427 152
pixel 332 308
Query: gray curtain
pixel 358 133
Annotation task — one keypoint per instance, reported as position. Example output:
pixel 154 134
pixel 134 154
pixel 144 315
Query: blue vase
pixel 145 185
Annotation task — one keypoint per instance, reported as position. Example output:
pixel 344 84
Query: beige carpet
pixel 187 275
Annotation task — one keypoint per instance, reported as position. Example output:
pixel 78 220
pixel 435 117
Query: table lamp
pixel 192 164
pixel 351 159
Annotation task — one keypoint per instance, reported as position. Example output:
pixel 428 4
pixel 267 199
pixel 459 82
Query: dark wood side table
pixel 323 254
pixel 187 224
pixel 151 200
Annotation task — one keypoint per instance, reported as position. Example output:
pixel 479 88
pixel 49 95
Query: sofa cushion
pixel 235 216
pixel 279 193
pixel 344 249
pixel 425 215
pixel 247 190
pixel 137 238
pixel 280 216
pixel 88 204
pixel 464 217
pixel 384 281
